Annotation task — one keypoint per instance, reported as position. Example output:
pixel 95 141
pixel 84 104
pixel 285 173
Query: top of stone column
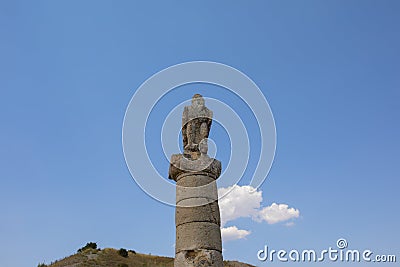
pixel 196 125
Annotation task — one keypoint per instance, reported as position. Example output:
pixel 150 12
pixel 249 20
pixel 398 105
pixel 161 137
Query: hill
pixel 109 257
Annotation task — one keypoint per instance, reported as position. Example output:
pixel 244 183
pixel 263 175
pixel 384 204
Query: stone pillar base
pixel 197 219
pixel 199 258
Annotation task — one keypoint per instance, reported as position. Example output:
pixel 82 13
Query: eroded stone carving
pixel 196 124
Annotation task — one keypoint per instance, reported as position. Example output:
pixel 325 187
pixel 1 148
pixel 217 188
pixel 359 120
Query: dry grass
pixel 109 257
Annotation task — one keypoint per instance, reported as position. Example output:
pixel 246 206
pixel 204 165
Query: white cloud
pixel 241 201
pixel 245 201
pixel 233 233
pixel 277 213
pixel 289 224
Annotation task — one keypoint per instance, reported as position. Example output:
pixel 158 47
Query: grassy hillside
pixel 109 257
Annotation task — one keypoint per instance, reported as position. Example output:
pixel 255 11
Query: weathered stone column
pixel 197 218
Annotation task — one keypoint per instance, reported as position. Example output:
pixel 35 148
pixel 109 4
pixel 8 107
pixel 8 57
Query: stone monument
pixel 197 218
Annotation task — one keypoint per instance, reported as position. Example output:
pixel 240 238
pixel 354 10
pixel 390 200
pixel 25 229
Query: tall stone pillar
pixel 197 218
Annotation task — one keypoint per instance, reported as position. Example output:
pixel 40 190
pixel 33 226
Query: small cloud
pixel 277 213
pixel 233 233
pixel 289 224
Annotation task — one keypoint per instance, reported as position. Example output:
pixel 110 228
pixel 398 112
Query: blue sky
pixel 329 70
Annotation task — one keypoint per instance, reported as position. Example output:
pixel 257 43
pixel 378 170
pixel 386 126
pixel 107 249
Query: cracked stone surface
pixel 199 258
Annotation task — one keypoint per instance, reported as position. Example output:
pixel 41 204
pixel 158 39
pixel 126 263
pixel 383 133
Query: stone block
pixel 204 213
pixel 208 191
pixel 198 235
pixel 194 180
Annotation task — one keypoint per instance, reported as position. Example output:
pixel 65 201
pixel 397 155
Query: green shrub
pixel 91 245
pixel 123 265
pixel 123 252
pixel 42 265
